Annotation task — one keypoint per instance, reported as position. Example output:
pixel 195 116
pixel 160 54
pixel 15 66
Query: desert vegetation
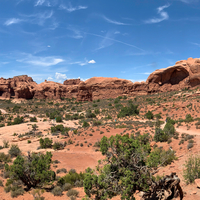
pixel 125 134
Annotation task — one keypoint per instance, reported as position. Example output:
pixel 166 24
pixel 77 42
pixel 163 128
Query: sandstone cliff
pixel 184 74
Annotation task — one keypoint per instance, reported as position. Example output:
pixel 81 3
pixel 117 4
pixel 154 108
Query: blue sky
pixel 61 39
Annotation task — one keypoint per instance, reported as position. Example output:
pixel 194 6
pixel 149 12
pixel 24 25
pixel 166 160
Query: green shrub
pixel 66 186
pixel 72 192
pixel 128 111
pixel 58 119
pixel 57 191
pixel 1 183
pixel 71 178
pixel 89 114
pixel 45 143
pixel 158 116
pixel 5 144
pixel 149 115
pixel 169 129
pixel 96 123
pixel 97 111
pixel 192 169
pixel 17 192
pixel 14 150
pixel 58 146
pixel 190 145
pixel 160 135
pixel 32 170
pixel 33 119
pixel 160 157
pixel 18 120
pixel 86 124
pixel 189 118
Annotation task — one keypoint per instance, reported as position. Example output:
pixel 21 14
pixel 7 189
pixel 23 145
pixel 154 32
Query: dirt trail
pixel 3 111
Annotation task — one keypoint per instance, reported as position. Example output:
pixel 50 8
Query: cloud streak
pixel 40 61
pixel 118 41
pixel 112 21
pixel 70 8
pixel 189 1
pixel 39 2
pixel 163 15
pixel 12 21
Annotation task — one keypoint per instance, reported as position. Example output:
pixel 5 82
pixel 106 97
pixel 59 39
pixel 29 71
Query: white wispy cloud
pixel 12 21
pixel 117 32
pixel 39 2
pixel 77 34
pixel 92 62
pixel 70 8
pixel 112 21
pixel 163 15
pixel 49 78
pixel 83 63
pixel 189 1
pixel 40 61
pixel 194 43
pixel 60 77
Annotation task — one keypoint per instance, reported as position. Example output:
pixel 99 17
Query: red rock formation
pixel 53 90
pixel 103 88
pixel 17 87
pixel 72 82
pixel 184 74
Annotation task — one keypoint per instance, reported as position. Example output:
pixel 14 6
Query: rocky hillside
pixel 184 74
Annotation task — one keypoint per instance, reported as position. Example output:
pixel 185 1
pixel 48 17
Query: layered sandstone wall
pixel 184 74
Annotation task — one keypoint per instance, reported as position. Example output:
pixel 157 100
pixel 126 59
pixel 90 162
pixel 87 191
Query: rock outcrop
pixel 184 74
pixel 103 88
pixel 17 87
pixel 72 82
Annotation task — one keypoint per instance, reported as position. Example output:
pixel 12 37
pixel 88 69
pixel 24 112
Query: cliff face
pixel 184 74
pixel 17 87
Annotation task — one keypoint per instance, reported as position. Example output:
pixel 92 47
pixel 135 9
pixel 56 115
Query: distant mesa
pixel 184 74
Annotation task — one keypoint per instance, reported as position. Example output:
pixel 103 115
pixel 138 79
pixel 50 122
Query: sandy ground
pixel 76 157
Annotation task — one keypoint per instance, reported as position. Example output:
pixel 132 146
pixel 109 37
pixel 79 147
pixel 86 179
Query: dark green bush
pixel 58 145
pixel 45 143
pixel 160 157
pixel 128 111
pixel 32 170
pixel 160 135
pixel 149 115
pixel 18 120
pixel 71 178
pixel 33 119
pixel 86 124
pixel 58 119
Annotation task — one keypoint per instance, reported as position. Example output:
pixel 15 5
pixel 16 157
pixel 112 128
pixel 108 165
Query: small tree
pixel 149 115
pixel 32 170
